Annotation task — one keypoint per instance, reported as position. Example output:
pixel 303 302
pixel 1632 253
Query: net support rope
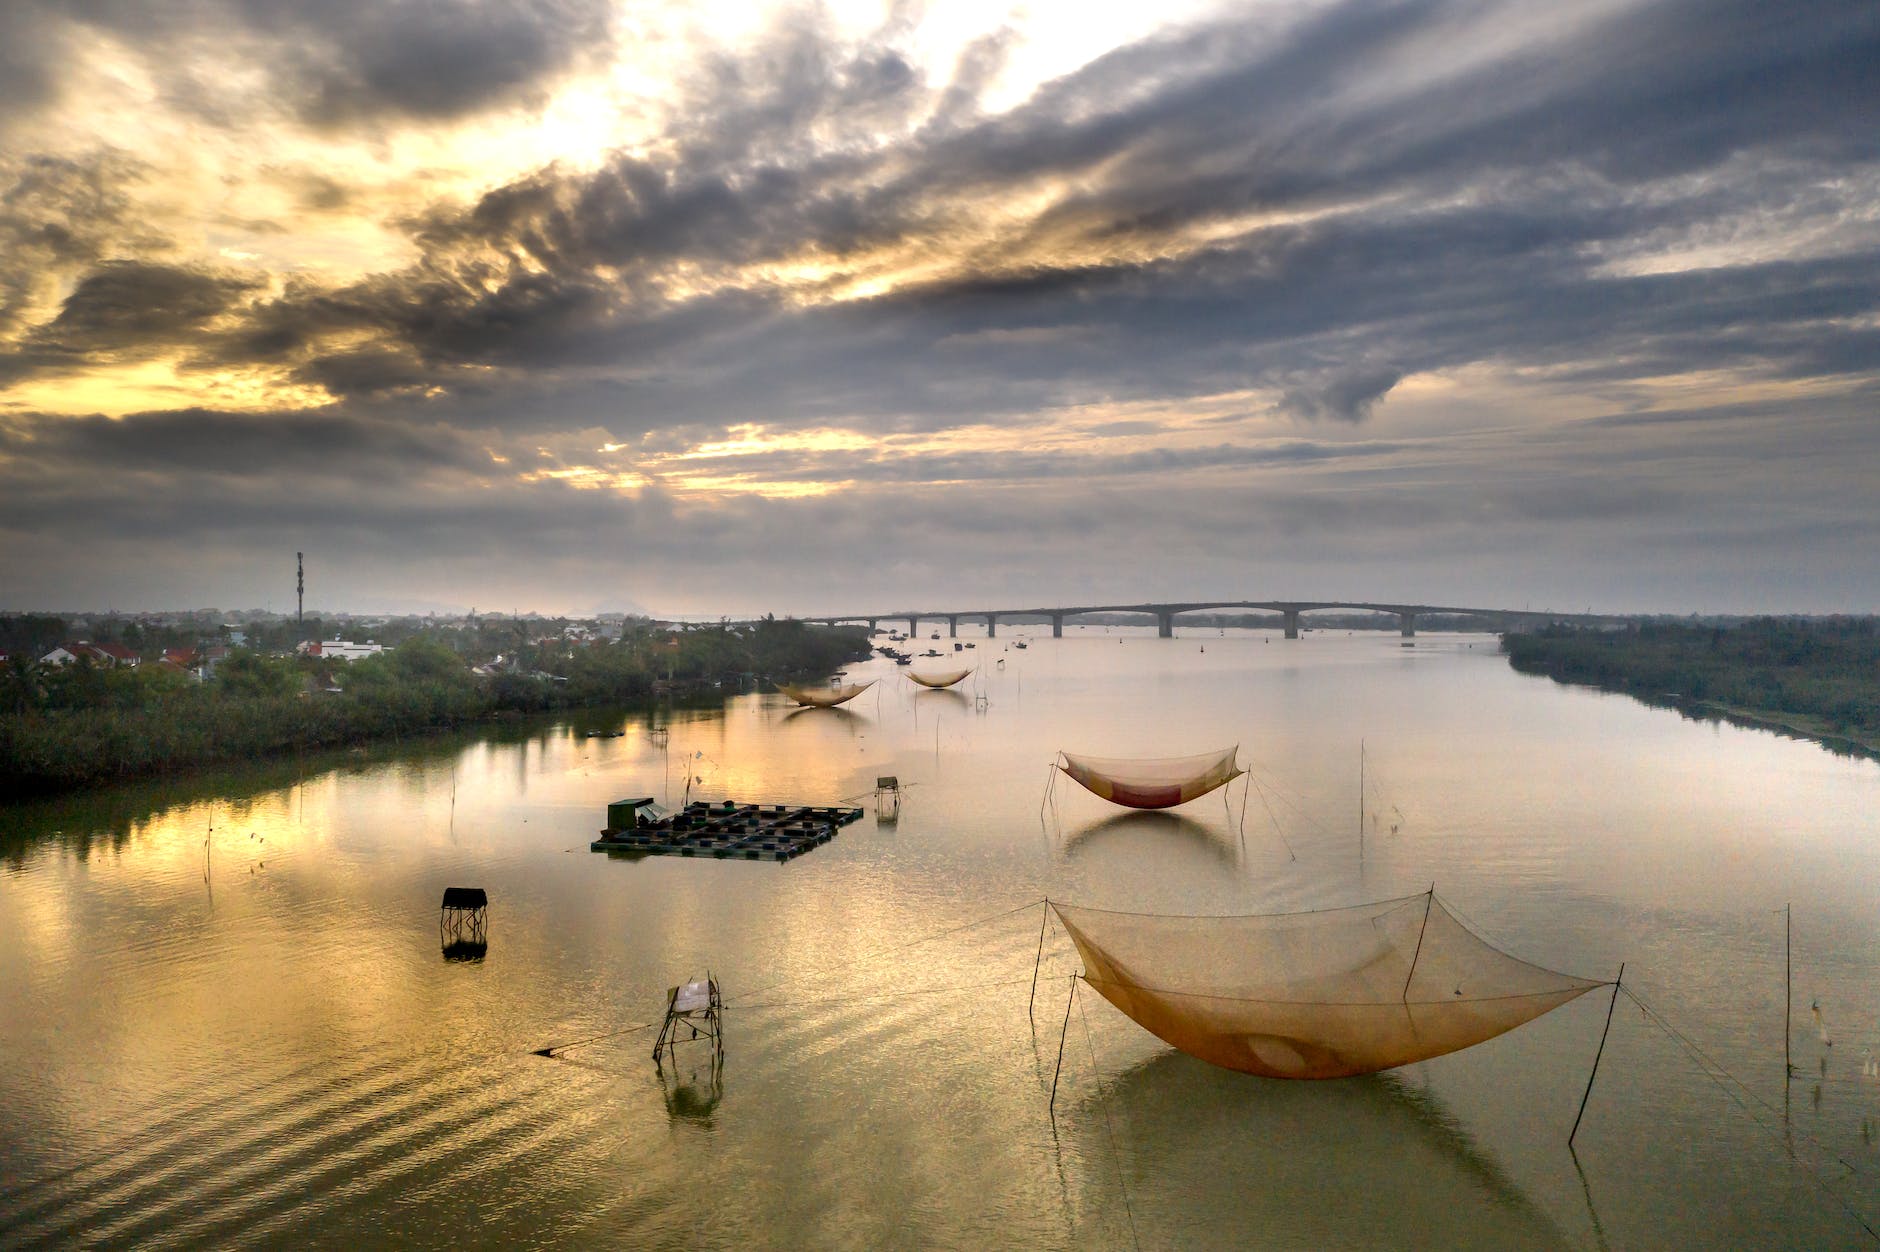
pixel 1713 1070
pixel 1270 816
pixel 738 1001
pixel 554 1051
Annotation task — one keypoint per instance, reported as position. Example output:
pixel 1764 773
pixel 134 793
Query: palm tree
pixel 21 688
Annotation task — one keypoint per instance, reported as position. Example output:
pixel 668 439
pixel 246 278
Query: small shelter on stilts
pixel 887 799
pixel 697 1008
pixel 463 923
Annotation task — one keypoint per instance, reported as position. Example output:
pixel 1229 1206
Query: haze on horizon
pixel 573 305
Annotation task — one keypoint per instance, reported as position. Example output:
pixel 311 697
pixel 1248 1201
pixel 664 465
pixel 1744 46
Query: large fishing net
pixel 946 678
pixel 824 697
pixel 1157 783
pixel 1313 995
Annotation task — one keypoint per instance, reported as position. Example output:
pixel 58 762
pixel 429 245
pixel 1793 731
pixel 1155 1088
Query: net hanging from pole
pixel 946 678
pixel 1157 783
pixel 824 697
pixel 1326 994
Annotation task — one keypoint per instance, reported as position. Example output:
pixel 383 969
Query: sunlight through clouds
pixel 894 275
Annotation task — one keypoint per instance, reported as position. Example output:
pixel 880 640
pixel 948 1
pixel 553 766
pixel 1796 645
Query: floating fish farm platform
pixel 727 831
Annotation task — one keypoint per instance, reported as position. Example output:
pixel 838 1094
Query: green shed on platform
pixel 621 813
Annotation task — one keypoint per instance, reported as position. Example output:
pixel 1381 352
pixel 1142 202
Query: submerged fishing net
pixel 824 697
pixel 1313 995
pixel 1152 784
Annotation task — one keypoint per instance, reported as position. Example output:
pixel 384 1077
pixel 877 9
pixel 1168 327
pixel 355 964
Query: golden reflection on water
pixel 232 1019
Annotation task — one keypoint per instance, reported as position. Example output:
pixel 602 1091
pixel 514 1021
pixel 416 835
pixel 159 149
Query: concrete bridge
pixel 1290 612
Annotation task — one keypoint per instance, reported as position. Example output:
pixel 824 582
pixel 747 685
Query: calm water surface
pixel 226 1018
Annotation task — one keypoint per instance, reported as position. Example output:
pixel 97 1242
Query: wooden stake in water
pixel 1042 922
pixel 1602 1051
pixel 1788 985
pixel 1070 1000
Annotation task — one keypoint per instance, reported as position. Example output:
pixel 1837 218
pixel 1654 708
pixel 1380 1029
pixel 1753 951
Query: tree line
pixel 1826 670
pixel 72 725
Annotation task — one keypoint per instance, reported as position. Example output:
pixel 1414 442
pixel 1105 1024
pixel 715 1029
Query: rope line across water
pixel 883 952
pixel 1717 1074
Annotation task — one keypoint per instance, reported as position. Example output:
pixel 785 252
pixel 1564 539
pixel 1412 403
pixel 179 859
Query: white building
pixel 340 650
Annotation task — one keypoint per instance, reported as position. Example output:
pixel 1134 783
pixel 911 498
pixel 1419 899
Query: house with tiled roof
pixel 96 653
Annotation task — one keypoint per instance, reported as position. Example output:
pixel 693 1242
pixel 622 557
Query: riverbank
pixel 1813 679
pixel 77 729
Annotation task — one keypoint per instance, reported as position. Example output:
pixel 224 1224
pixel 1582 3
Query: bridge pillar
pixel 1409 621
pixel 871 625
pixel 1292 623
pixel 1057 625
pixel 992 625
pixel 953 627
pixel 1165 625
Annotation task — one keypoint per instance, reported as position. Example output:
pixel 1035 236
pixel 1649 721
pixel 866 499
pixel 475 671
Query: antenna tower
pixel 300 596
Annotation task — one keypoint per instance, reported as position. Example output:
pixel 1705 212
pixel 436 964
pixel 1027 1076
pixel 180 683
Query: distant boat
pixel 1019 644
pixel 605 734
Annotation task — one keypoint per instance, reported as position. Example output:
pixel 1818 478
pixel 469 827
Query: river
pixel 227 1019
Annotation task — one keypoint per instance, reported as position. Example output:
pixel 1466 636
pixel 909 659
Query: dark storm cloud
pixel 1462 213
pixel 414 517
pixel 30 57
pixel 124 305
pixel 1026 466
pixel 313 191
pixel 431 60
pixel 340 62
pixel 1317 206
pixel 64 452
pixel 1461 217
pixel 1347 394
pixel 365 372
pixel 59 215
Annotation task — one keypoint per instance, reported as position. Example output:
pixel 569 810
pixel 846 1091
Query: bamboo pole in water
pixel 1042 922
pixel 1788 985
pixel 1062 1035
pixel 1601 1052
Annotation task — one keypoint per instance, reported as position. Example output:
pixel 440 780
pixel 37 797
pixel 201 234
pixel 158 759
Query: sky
pixel 576 306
